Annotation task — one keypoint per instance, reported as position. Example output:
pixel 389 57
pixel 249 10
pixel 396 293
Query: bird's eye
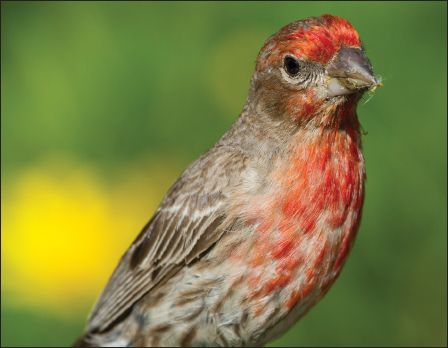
pixel 291 65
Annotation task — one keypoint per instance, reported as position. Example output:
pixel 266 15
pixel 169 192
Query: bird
pixel 257 229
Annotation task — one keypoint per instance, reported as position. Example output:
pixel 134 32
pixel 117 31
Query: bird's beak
pixel 349 72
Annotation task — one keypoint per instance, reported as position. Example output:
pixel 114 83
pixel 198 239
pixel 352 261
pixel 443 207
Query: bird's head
pixel 312 66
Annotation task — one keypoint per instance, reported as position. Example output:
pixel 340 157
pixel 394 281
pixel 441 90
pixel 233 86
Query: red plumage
pixel 258 228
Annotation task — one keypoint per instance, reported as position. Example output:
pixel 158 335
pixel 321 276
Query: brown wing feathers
pixel 170 240
pixel 187 224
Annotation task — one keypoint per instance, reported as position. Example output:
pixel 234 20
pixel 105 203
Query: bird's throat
pixel 308 110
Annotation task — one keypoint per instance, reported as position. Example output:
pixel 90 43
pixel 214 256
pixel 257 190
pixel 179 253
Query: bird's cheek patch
pixel 302 105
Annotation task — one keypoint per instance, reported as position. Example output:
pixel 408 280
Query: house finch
pixel 257 229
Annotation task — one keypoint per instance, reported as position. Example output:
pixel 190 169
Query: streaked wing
pixel 188 222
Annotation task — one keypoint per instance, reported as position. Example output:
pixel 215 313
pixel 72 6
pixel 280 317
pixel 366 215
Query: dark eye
pixel 292 66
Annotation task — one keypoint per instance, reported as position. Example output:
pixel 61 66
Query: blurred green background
pixel 104 104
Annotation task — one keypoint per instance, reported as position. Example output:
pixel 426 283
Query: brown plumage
pixel 256 230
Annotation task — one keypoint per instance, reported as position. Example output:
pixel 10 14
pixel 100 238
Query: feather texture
pixel 189 221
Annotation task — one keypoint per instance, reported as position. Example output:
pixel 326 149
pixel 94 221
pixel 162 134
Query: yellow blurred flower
pixel 63 229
